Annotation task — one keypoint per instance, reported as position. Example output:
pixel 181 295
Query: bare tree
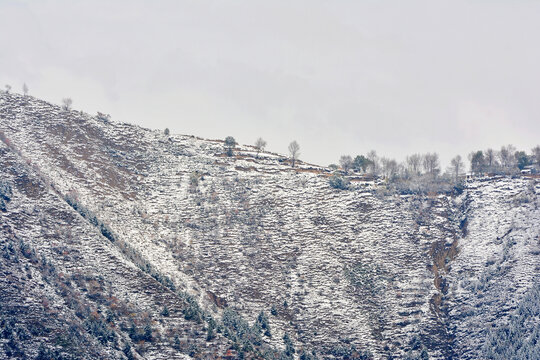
pixel 456 166
pixel 346 163
pixel 536 154
pixel 430 162
pixel 414 162
pixel 491 160
pixel 389 167
pixel 373 162
pixel 401 171
pixel 25 89
pixel 8 88
pixel 230 143
pixel 66 104
pixel 506 155
pixel 260 144
pixel 294 151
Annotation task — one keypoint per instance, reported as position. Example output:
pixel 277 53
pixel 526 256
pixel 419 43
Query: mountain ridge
pixel 344 272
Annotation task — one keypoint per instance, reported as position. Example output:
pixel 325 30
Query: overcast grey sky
pixel 340 77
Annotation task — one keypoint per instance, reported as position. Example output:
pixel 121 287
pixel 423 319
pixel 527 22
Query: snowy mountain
pixel 119 241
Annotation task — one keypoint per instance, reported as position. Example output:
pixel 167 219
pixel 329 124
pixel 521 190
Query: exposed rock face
pixel 335 270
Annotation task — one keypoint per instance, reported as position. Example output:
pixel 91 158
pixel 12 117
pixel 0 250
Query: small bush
pixel 192 311
pixel 44 353
pixel 127 351
pixel 194 179
pixel 5 195
pixel 338 182
pixel 238 329
pixel 262 323
pixel 289 347
pixel 137 335
pixel 230 143
pixel 5 191
pixel 96 326
pixel 106 118
pixel 210 331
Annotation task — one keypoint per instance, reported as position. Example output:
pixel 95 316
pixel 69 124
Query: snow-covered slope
pixel 339 271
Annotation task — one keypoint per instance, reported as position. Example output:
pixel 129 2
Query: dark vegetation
pixel 520 338
pixel 245 339
pixel 5 195
pixel 70 341
pixel 339 182
pixel 230 143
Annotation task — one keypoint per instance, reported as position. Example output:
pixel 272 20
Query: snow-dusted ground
pixel 251 233
pixel 90 276
pixel 499 258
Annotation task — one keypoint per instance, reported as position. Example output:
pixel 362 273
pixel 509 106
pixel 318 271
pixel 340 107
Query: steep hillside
pixel 155 221
pixel 64 283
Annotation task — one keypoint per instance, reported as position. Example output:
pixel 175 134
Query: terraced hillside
pixel 158 221
pixel 68 292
